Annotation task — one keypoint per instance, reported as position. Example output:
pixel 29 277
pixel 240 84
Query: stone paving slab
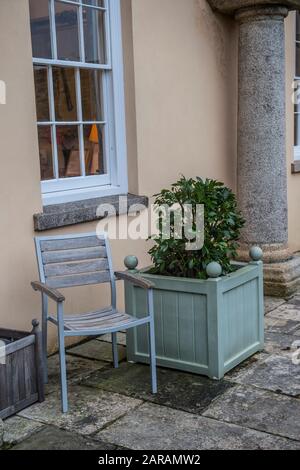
pixel 257 409
pixel 121 338
pixel 153 427
pixel 280 344
pixel 276 373
pixel 287 311
pixel 282 325
pixel 295 300
pixel 16 429
pixel 97 350
pixel 89 409
pixel 246 365
pixel 51 438
pixel 271 303
pixel 77 368
pixel 179 390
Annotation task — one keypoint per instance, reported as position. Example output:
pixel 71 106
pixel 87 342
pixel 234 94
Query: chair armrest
pixel 52 293
pixel 136 280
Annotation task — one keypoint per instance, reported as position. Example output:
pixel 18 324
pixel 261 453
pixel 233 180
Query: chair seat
pixel 96 321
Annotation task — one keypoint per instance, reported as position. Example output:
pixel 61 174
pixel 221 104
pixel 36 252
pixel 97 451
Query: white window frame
pixel 297 79
pixel 115 181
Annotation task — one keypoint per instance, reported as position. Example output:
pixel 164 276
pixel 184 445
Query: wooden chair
pixel 77 260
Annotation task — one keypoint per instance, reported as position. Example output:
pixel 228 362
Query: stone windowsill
pixel 296 166
pixel 73 213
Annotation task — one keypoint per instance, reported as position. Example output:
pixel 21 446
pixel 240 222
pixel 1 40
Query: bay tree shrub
pixel 222 226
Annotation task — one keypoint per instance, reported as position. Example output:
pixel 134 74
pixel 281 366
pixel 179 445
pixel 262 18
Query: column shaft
pixel 262 172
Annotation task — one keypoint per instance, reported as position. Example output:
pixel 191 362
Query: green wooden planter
pixel 205 327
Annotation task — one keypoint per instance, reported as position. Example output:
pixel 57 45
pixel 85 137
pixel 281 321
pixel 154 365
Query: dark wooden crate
pixel 21 377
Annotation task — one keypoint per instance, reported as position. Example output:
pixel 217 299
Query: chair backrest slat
pixel 75 260
pixel 66 269
pixel 78 280
pixel 80 254
pixel 71 243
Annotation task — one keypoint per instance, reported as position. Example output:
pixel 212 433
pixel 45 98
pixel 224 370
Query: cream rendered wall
pixel 180 86
pixel 20 188
pixel 293 179
pixel 185 74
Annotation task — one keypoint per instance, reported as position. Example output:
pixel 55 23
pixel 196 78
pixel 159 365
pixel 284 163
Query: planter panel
pixel 21 377
pixel 205 327
pixel 180 328
pixel 240 326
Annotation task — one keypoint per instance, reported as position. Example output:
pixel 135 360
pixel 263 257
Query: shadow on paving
pixel 178 390
pixel 52 438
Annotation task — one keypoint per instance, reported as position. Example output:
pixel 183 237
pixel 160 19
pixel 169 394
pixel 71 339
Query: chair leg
pixel 63 371
pixel 44 336
pixel 115 350
pixel 152 357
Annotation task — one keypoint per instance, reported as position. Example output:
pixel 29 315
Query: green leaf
pixel 223 223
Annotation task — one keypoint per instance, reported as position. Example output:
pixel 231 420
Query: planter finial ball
pixel 256 253
pixel 131 262
pixel 214 270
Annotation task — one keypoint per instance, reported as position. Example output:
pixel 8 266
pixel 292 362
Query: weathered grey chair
pixel 78 260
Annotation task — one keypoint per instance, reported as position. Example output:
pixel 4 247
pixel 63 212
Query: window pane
pixel 45 150
pixel 297 129
pixel 93 149
pixel 94 35
pixel 66 20
pixel 64 94
pixel 298 26
pixel 41 93
pixel 297 97
pixel 40 29
pixel 68 151
pixel 95 3
pixel 298 59
pixel 91 95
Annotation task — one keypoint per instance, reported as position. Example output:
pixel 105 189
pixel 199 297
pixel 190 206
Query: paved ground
pixel 257 406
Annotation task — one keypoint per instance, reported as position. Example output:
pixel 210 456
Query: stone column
pixel 262 169
pixel 262 173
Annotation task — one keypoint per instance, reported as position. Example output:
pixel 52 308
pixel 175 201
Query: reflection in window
pixel 94 35
pixel 64 94
pixel 297 130
pixel 41 93
pixel 297 59
pixel 67 31
pixel 45 151
pixel 91 94
pixel 94 3
pixel 68 151
pixel 93 147
pixel 40 28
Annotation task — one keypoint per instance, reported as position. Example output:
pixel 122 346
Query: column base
pixel 281 268
pixel 273 253
pixel 282 279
